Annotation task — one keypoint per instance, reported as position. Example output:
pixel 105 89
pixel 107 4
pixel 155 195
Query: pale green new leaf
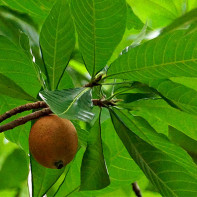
pixel 187 19
pixel 158 108
pixel 170 55
pixel 157 13
pixel 70 103
pixel 100 26
pixel 166 165
pixel 57 41
pixel 94 174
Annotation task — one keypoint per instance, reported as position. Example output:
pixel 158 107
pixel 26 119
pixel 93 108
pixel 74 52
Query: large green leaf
pixel 71 183
pixel 16 65
pixel 100 26
pixel 167 166
pixel 121 167
pixel 70 103
pixel 20 134
pixel 14 170
pixel 162 111
pixel 43 178
pixel 15 25
pixel 57 41
pixel 94 174
pixel 184 141
pixel 37 9
pixel 170 55
pixel 10 88
pixel 181 96
pixel 157 13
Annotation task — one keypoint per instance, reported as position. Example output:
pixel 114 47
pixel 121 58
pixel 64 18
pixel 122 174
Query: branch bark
pixel 24 119
pixel 22 108
pixel 136 189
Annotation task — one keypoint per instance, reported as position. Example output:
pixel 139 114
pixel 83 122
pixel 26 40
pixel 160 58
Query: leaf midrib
pixel 55 47
pixel 131 143
pixel 153 66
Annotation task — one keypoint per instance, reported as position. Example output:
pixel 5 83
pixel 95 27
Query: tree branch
pixel 40 113
pixel 22 108
pixel 24 119
pixel 136 189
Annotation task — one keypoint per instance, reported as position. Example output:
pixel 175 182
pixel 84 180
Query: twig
pixel 136 189
pixel 24 119
pixel 22 108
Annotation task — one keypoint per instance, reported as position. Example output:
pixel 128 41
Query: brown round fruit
pixel 53 141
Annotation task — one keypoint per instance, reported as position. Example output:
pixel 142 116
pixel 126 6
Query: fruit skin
pixel 53 141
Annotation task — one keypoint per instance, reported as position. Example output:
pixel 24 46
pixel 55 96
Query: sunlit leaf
pixel 57 41
pixel 70 103
pixel 157 13
pixel 100 26
pixel 187 19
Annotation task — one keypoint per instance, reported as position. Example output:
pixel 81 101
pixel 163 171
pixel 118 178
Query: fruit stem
pixel 59 164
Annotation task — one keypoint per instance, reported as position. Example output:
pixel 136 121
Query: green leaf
pixel 100 26
pixel 189 82
pixel 14 170
pixel 37 9
pixel 65 82
pixel 43 178
pixel 133 22
pixel 17 66
pixel 94 174
pixel 192 4
pixel 121 167
pixel 165 165
pixel 183 97
pixel 20 134
pixel 158 13
pixel 186 19
pixel 184 141
pixel 82 134
pixel 14 26
pixel 170 55
pixel 182 121
pixel 71 183
pixel 10 88
pixel 57 41
pixel 70 103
